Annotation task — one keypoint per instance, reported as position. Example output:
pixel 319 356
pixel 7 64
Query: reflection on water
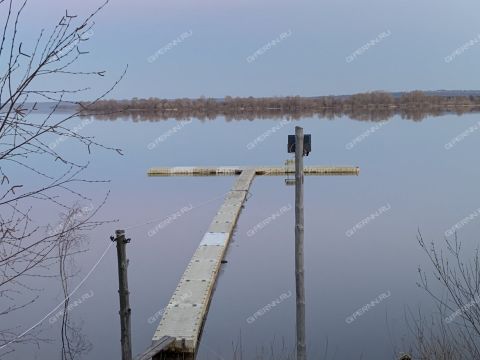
pixel 361 114
pixel 404 165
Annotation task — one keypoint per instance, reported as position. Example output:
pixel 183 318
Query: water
pixel 405 168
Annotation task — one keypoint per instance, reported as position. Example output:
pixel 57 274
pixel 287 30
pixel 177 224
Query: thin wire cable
pixel 93 269
pixel 61 303
pixel 164 218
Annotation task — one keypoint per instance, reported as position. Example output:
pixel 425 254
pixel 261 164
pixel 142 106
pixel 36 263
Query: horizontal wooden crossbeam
pixel 259 170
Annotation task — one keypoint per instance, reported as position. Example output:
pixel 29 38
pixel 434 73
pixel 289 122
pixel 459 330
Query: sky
pixel 180 48
pixel 186 48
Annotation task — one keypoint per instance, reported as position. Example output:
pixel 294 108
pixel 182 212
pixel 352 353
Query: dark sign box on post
pixel 307 144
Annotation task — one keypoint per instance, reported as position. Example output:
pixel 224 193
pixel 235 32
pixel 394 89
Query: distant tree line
pixel 374 106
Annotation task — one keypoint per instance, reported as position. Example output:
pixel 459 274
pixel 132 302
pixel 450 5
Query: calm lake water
pixel 406 170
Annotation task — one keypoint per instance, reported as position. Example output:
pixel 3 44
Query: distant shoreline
pixel 374 106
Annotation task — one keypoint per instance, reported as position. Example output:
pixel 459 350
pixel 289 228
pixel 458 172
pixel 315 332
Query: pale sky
pixel 311 60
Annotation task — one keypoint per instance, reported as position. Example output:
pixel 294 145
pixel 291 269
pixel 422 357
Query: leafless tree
pixel 36 176
pixel 74 343
pixel 453 331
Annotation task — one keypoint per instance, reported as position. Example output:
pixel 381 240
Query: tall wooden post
pixel 123 292
pixel 299 261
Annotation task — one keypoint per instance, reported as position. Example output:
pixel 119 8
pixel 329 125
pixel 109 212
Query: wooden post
pixel 299 230
pixel 123 292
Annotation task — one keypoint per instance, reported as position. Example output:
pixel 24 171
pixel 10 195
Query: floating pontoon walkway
pixel 186 312
pixel 261 170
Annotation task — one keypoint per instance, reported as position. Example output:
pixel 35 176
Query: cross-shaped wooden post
pixel 186 312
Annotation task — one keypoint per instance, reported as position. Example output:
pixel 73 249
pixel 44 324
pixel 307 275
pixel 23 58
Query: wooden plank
pixel 155 348
pixel 187 310
pixel 244 180
pixel 260 170
pixel 195 171
pixel 309 170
